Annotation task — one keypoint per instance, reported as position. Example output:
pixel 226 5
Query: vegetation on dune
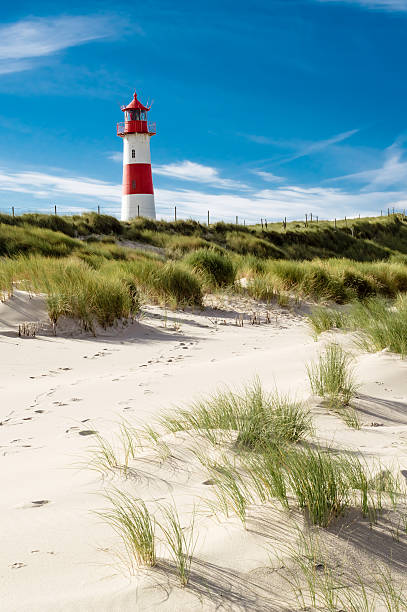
pixel 259 418
pixel 378 322
pixel 195 259
pixel 73 289
pixel 216 268
pixel 369 239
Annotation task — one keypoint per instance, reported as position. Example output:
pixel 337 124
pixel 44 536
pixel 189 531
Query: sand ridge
pixel 57 392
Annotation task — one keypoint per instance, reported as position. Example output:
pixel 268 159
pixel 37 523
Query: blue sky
pixel 268 108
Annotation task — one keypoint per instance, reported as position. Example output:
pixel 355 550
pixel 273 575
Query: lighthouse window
pixel 133 184
pixel 133 153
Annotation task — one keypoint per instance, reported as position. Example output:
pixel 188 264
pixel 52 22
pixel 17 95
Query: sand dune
pixel 58 392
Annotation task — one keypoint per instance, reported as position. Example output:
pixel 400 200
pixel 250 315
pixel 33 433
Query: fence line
pixel 173 214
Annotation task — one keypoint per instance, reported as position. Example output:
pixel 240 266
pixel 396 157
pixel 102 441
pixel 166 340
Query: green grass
pixel 180 541
pixel 323 319
pixel 216 268
pixel 73 289
pixel 132 522
pixel 331 377
pixel 258 418
pixel 380 323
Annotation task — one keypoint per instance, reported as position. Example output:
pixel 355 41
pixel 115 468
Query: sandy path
pixel 56 391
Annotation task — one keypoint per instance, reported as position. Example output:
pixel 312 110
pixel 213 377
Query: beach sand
pixel 58 392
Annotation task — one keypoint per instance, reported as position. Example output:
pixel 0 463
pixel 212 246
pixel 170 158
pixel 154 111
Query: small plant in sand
pixel 331 377
pixel 131 520
pixel 258 418
pixel 151 436
pixel 181 541
pixel 104 457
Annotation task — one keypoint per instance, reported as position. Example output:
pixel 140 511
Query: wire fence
pixel 176 213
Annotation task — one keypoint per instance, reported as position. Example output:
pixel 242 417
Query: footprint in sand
pixel 38 503
pixel 88 432
pixel 18 565
pixel 71 430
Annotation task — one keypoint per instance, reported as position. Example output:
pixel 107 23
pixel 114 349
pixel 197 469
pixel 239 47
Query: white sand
pixel 58 555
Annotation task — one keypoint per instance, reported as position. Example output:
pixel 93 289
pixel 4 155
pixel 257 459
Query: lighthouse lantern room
pixel 136 131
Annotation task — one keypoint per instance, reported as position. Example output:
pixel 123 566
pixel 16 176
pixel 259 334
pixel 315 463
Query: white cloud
pixel 33 38
pixel 387 5
pixel 274 203
pixel 320 145
pixel 392 172
pixel 197 173
pixel 43 185
pixel 269 177
pixel 116 156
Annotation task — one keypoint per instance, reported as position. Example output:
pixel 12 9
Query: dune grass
pixel 180 541
pixel 258 418
pixel 72 289
pixel 323 319
pixel 331 377
pixel 380 323
pixel 216 268
pixel 132 522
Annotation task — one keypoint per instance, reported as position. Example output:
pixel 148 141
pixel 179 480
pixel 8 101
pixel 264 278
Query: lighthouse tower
pixel 136 131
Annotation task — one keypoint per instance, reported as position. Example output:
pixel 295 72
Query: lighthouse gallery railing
pixel 130 127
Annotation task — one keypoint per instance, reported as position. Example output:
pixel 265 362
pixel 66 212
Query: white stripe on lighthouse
pixel 140 144
pixel 134 204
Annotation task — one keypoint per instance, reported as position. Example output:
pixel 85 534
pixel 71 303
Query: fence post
pixel 12 210
pixel 98 209
pixel 311 218
pixel 306 220
pixel 346 223
pixel 55 209
pixel 208 218
pixel 237 220
pixel 265 222
pixel 335 222
pixel 175 213
pixel 261 223
pixel 317 219
pixel 138 210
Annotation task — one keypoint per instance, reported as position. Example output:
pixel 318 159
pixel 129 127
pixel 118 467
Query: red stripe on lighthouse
pixel 137 178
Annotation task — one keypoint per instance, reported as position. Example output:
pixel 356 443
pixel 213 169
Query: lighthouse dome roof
pixel 135 104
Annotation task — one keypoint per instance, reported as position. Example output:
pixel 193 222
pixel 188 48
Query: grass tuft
pixel 131 520
pixel 331 377
pixel 181 544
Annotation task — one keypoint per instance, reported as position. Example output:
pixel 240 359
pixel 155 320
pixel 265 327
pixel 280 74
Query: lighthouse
pixel 136 131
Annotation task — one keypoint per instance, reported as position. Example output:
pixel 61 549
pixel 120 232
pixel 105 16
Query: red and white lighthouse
pixel 136 131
